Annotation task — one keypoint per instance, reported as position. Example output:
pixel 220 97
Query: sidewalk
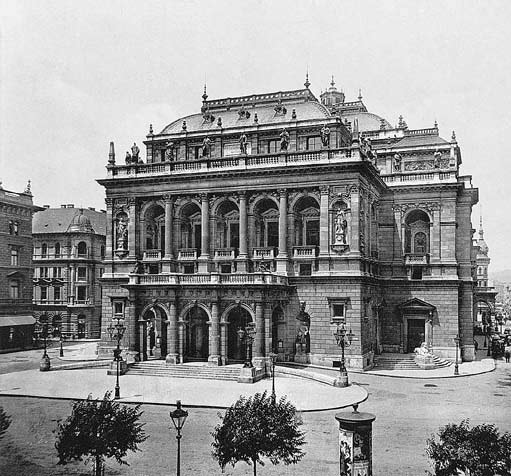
pixel 306 395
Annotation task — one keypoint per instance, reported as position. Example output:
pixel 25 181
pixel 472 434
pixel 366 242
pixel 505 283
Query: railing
pixel 152 255
pixel 213 278
pixel 225 253
pixel 429 177
pixel 187 254
pixel 59 302
pixel 416 259
pixel 304 251
pixel 72 301
pixel 422 132
pixel 242 162
pixel 263 253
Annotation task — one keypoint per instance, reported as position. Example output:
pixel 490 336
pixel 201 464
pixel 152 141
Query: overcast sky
pixel 76 75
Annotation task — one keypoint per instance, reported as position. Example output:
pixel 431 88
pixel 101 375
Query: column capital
pixel 241 194
pixel 355 188
pixel 109 202
pixel 203 197
pixel 324 189
pixel 131 201
pixel 167 198
pixel 282 192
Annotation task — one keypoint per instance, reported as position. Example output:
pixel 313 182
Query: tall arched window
pixel 44 250
pixel 57 250
pixel 82 248
pixel 102 252
pixel 417 225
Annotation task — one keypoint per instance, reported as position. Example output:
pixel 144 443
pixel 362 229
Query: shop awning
pixel 18 320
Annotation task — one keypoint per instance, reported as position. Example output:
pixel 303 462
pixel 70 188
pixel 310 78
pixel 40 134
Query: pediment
pixel 416 305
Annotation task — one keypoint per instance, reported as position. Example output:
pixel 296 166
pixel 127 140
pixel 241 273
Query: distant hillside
pixel 503 276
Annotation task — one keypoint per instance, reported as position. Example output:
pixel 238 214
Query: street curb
pixel 207 407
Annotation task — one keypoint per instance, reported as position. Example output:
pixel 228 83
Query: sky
pixel 76 75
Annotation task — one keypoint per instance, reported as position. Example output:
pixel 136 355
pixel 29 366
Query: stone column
pixel 242 264
pixel 168 227
pixel 172 336
pixel 399 242
pixel 142 339
pixel 182 329
pixel 324 230
pixel 282 257
pixel 132 227
pixel 204 257
pixel 109 255
pixel 428 332
pixel 214 336
pixel 434 240
pixel 260 330
pixel 355 220
pixel 268 344
pixel 223 343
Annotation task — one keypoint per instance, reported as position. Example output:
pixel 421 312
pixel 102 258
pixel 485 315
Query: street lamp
pixel 273 357
pixel 42 330
pixel 457 342
pixel 178 417
pixel 246 335
pixel 343 339
pixel 116 332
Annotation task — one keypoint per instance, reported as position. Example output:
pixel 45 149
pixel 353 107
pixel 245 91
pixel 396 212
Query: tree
pixel 259 427
pixel 5 422
pixel 99 429
pixel 477 451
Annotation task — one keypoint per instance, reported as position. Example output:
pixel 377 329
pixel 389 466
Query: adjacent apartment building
pixel 69 247
pixel 293 214
pixel 16 320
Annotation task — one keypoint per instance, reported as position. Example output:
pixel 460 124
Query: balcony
pixel 241 162
pixel 416 259
pixel 225 254
pixel 419 178
pixel 305 252
pixel 152 255
pixel 240 279
pixel 263 252
pixel 187 254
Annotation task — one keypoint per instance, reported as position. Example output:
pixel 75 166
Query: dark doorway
pixel 415 333
pixel 197 347
pixel 238 317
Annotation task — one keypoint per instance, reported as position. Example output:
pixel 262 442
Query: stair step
pixel 158 368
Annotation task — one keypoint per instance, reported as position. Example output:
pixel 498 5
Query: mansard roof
pixel 61 220
pixel 303 102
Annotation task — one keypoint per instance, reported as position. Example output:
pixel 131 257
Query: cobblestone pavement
pixel 407 411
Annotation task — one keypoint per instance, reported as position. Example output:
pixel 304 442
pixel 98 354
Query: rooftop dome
pixel 80 222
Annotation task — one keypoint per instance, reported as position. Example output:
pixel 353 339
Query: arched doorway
pixel 238 317
pixel 156 336
pixel 197 335
pixel 276 317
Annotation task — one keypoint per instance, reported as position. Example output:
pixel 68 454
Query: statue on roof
pixel 397 162
pixel 325 136
pixel 243 144
pixel 284 140
pixel 436 159
pixel 135 151
pixel 128 158
pixel 206 147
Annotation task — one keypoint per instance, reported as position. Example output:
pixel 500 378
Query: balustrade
pixel 304 251
pixel 187 254
pixel 225 253
pixel 416 259
pixel 152 255
pixel 213 278
pixel 263 253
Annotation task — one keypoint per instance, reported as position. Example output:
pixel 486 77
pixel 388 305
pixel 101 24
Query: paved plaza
pixel 408 411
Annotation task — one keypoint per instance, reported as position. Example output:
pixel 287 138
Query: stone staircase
pixel 158 368
pixel 404 362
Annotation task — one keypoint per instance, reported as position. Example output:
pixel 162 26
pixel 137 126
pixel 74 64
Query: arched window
pixel 102 252
pixel 417 226
pixel 82 248
pixel 420 242
pixel 57 250
pixel 14 289
pixel 44 250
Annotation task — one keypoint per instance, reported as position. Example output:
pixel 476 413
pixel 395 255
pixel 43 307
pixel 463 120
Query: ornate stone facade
pixel 305 208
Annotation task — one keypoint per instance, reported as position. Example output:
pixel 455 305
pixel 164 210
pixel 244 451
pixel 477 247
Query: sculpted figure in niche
pixel 206 147
pixel 341 227
pixel 284 140
pixel 436 160
pixel 325 136
pixel 397 163
pixel 243 144
pixel 303 335
pixel 122 233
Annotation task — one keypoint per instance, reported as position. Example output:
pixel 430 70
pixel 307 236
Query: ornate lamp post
pixel 273 357
pixel 116 331
pixel 178 417
pixel 42 330
pixel 457 342
pixel 246 335
pixel 343 339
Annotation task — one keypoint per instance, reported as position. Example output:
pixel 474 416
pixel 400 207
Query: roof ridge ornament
pixel 307 82
pixel 205 94
pixel 359 94
pixel 28 190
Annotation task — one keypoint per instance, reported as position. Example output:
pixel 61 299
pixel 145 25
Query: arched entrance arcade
pixel 195 340
pixel 236 317
pixel 153 333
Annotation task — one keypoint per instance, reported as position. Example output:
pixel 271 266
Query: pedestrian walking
pixel 507 354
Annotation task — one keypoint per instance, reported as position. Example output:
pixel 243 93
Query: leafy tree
pixel 259 427
pixel 5 421
pixel 99 429
pixel 477 451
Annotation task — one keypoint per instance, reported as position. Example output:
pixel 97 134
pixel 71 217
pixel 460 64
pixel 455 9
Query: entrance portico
pixel 417 318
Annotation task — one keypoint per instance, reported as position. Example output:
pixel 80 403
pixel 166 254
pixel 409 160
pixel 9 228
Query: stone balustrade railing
pixel 189 254
pixel 304 251
pixel 424 177
pixel 263 253
pixel 208 278
pixel 152 255
pixel 225 253
pixel 242 162
pixel 416 259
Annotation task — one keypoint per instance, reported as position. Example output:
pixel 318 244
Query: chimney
pixel 92 209
pixel 63 206
pixel 46 206
pixel 70 205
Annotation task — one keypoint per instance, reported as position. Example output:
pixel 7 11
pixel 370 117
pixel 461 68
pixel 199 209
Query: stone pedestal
pixel 425 362
pixel 247 375
pixel 214 360
pixel 44 364
pixel 302 358
pixel 172 359
pixel 355 443
pixel 341 380
pixel 123 368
